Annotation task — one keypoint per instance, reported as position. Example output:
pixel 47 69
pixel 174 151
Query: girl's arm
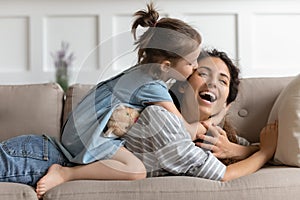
pixel 268 142
pixel 195 129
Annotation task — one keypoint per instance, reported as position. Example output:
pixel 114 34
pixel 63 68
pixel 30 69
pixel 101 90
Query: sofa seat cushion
pixel 272 182
pixel 30 109
pixel 15 191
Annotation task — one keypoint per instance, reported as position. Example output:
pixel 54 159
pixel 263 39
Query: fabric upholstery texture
pixel 74 95
pixel 15 191
pixel 250 111
pixel 30 109
pixel 287 111
pixel 258 186
pixel 42 112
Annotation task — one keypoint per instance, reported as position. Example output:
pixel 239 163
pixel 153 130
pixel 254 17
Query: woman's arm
pixel 268 142
pixel 240 152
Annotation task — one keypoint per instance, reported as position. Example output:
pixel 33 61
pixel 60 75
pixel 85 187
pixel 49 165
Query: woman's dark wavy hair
pixel 233 91
pixel 233 70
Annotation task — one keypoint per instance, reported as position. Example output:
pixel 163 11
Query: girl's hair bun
pixel 165 39
pixel 145 18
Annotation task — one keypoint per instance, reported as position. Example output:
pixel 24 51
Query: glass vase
pixel 62 78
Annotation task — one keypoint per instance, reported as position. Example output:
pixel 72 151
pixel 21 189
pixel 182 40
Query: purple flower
pixel 61 58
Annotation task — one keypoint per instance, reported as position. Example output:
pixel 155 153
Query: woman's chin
pixel 204 113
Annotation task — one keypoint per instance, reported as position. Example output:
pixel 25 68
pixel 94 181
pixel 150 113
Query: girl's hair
pixel 166 38
pixel 233 70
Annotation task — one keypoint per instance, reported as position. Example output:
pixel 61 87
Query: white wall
pixel 262 35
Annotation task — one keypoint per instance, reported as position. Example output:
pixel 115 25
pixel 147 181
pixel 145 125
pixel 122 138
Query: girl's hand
pixel 268 139
pixel 218 142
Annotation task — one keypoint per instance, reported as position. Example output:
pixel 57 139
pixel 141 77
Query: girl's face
pixel 208 90
pixel 184 67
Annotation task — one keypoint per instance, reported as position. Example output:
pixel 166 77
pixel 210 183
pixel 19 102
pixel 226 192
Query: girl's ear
pixel 165 66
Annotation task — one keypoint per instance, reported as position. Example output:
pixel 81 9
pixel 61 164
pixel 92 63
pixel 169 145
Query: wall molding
pixel 242 28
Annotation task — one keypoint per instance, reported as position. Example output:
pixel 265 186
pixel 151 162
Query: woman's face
pixel 208 90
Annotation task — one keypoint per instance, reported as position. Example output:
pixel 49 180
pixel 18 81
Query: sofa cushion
pixel 73 96
pixel 30 109
pixel 287 110
pixel 250 111
pixel 260 185
pixel 248 114
pixel 16 191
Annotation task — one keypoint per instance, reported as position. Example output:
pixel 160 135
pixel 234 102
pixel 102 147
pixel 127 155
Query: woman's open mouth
pixel 208 96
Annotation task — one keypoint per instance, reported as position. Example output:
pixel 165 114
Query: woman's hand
pixel 222 148
pixel 217 142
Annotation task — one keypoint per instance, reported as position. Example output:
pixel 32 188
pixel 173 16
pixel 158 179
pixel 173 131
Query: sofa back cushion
pixel 30 109
pixel 286 110
pixel 74 95
pixel 250 111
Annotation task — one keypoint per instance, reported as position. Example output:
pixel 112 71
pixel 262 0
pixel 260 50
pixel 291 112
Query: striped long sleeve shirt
pixel 160 140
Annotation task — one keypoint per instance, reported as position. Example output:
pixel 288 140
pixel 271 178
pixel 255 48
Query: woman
pixel 160 140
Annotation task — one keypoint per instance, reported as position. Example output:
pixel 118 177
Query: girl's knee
pixel 136 169
pixel 138 176
pixel 132 166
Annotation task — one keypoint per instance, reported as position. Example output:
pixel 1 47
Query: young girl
pixel 167 50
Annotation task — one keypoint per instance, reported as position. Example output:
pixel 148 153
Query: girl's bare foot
pixel 54 177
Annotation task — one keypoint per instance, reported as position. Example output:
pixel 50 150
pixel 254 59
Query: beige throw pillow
pixel 287 110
